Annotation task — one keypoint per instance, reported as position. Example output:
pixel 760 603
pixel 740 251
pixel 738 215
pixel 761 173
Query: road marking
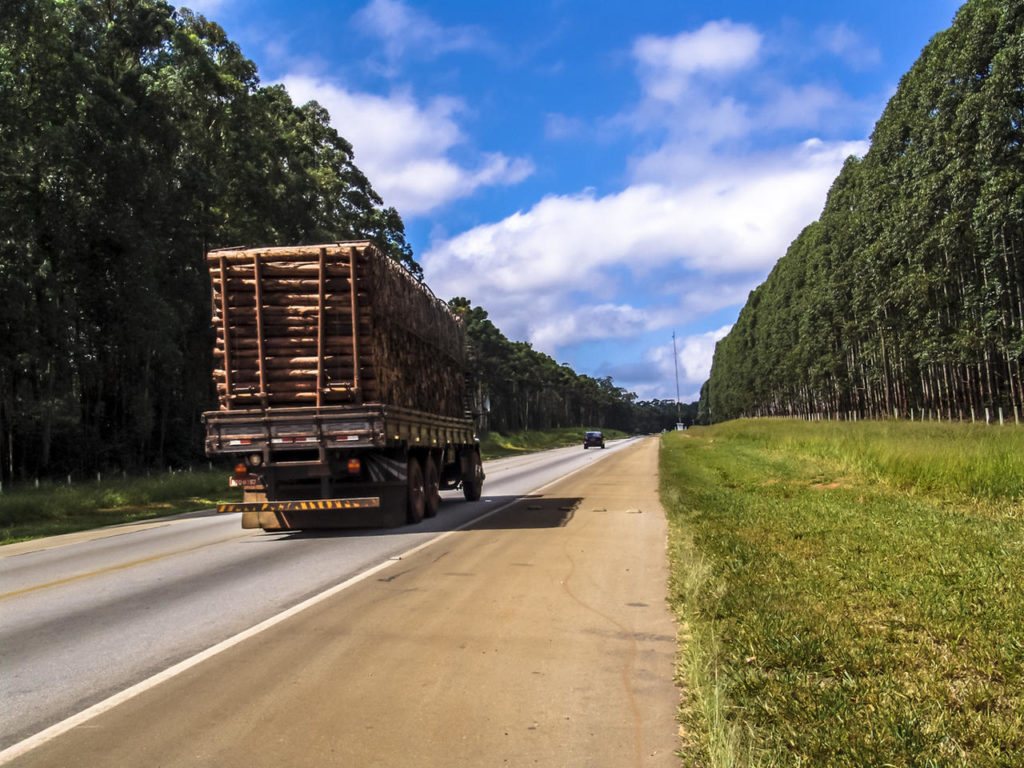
pixel 50 543
pixel 58 729
pixel 100 571
pixel 110 569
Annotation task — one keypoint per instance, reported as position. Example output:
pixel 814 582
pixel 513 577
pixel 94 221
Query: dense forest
pixel 907 295
pixel 133 138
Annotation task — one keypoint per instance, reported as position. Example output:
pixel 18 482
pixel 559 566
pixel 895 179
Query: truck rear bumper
pixel 359 512
pixel 301 506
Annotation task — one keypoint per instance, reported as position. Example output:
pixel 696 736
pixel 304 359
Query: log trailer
pixel 342 389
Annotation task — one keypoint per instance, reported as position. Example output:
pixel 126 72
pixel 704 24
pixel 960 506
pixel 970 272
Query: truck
pixel 342 388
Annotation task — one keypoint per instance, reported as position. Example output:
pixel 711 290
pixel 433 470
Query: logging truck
pixel 341 382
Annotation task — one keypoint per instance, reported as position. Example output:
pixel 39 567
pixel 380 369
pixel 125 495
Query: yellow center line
pixel 100 572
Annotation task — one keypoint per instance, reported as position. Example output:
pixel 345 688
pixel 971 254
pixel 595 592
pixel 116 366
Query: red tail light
pixel 240 469
pixel 354 465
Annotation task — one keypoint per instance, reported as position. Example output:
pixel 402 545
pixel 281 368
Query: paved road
pixel 387 671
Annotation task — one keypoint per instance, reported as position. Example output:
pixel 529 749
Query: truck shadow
pixel 513 513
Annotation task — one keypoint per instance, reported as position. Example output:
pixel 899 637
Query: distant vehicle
pixel 595 439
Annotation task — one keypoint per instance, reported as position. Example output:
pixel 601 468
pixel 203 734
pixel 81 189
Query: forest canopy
pixel 907 295
pixel 134 137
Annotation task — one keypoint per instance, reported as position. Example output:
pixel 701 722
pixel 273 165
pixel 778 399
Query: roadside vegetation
pixel 52 509
pixel 849 593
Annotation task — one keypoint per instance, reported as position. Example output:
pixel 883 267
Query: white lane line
pixel 58 729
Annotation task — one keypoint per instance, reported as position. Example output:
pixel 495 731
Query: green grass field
pixel 849 594
pixel 30 513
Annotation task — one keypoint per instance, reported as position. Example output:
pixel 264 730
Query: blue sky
pixel 596 175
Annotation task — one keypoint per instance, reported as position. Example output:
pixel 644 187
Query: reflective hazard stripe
pixel 301 506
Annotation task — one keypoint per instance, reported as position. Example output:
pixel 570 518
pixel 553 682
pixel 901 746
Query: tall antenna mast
pixel 675 359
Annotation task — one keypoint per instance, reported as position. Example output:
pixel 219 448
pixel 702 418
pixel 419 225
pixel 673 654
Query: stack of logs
pixel 292 332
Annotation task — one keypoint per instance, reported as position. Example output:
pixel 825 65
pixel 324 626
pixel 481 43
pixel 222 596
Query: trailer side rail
pixel 373 425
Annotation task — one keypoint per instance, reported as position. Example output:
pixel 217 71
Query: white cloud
pixel 694 354
pixel 725 228
pixel 406 32
pixel 697 352
pixel 843 42
pixel 798 106
pixel 558 126
pixel 594 322
pixel 403 146
pixel 667 64
pixel 720 84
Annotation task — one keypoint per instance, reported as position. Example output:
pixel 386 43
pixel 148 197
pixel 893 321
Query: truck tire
pixel 431 487
pixel 473 483
pixel 416 497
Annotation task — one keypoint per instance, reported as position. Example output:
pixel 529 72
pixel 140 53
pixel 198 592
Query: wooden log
pixel 281 331
pixel 283 389
pixel 276 367
pixel 408 349
pixel 297 253
pixel 275 349
pixel 240 286
pixel 248 380
pixel 244 315
pixel 272 292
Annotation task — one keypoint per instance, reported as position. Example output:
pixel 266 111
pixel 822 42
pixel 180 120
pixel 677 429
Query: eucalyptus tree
pixel 907 295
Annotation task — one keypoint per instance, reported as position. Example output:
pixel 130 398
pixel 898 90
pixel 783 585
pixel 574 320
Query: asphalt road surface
pixel 529 628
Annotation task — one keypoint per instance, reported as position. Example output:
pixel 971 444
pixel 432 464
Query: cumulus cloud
pixel 406 32
pixel 696 353
pixel 655 376
pixel 667 64
pixel 404 146
pixel 594 322
pixel 720 85
pixel 558 126
pixel 725 229
pixel 843 42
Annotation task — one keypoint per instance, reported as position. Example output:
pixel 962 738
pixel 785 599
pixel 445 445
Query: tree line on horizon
pixel 133 139
pixel 907 295
pixel 525 389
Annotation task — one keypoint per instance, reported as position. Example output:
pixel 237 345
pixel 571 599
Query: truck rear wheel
pixel 417 496
pixel 431 487
pixel 473 482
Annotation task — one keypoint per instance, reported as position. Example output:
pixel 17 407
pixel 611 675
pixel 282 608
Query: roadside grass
pixel 495 445
pixel 52 509
pixel 848 594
